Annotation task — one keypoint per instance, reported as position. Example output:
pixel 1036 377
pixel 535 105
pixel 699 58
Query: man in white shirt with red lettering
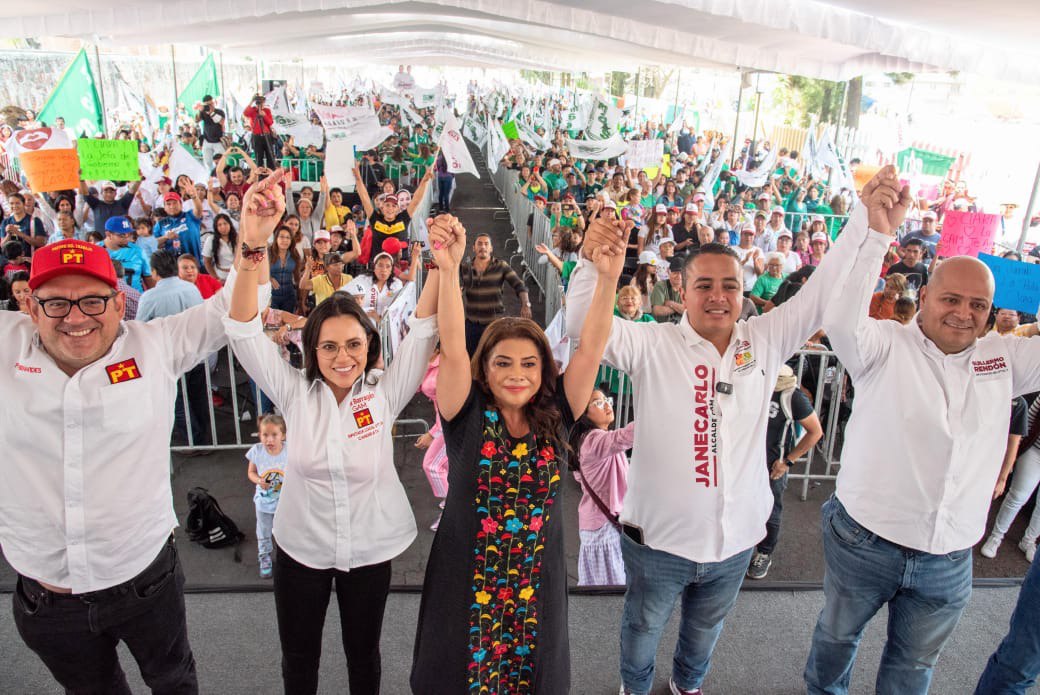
pixel 86 509
pixel 900 527
pixel 699 494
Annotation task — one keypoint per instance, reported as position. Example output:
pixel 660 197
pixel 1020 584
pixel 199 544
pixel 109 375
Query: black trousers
pixel 301 598
pixel 76 634
pixel 263 148
pixel 199 400
pixel 474 332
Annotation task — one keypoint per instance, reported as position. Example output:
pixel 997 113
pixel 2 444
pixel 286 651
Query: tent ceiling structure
pixel 834 40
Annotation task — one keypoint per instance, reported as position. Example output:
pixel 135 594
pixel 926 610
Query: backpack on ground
pixel 207 524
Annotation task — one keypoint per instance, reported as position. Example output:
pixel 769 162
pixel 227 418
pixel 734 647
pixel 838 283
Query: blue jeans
pixel 768 544
pixel 444 184
pixel 925 594
pixel 264 526
pixel 1013 668
pixel 655 579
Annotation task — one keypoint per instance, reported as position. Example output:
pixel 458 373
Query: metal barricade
pixel 304 171
pixel 821 461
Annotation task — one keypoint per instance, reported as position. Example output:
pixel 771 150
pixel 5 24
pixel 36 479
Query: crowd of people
pixel 695 292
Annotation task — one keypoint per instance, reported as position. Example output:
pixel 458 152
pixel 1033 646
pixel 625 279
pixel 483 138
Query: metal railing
pixel 821 461
pixel 522 246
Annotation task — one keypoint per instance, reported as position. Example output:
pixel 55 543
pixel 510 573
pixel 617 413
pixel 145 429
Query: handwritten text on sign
pixel 644 153
pixel 51 170
pixel 1018 283
pixel 968 233
pixel 115 160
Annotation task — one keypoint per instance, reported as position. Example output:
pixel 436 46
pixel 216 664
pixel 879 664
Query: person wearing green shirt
pixel 768 282
pixel 421 162
pixel 666 302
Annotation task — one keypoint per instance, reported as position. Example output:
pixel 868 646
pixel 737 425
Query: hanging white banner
pixel 357 124
pixel 597 149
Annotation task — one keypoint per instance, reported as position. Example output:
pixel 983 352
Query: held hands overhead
pixel 887 202
pixel 262 208
pixel 447 240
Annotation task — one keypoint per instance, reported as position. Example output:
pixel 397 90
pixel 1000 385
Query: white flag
pixel 759 175
pixel 597 149
pixel 498 146
pixel 603 119
pixel 454 149
pixel 181 162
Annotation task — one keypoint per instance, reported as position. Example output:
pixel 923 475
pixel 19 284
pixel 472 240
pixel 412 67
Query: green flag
pixel 204 82
pixel 76 100
pixel 510 129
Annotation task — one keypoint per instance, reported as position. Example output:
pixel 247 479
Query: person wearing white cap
pixel 776 219
pixel 928 235
pixel 645 279
pixel 765 237
pixel 108 205
pixel 785 247
pixel 656 228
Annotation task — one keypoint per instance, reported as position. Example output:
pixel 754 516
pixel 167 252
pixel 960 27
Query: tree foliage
pixel 799 98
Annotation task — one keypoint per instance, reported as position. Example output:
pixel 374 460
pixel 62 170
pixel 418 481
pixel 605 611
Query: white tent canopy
pixel 835 40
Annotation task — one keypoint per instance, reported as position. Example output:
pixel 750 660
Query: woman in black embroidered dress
pixel 494 611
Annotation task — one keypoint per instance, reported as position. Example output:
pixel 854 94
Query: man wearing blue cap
pixel 135 264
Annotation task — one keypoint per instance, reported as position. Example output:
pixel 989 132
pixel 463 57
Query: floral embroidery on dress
pixel 517 484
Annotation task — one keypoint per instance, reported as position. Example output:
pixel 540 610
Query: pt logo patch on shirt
pixel 123 371
pixel 363 418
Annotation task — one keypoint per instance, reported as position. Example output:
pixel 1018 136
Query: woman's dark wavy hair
pixel 542 413
pixel 339 304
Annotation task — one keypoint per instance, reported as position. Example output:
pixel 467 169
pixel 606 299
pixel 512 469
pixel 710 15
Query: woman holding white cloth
pixel 343 512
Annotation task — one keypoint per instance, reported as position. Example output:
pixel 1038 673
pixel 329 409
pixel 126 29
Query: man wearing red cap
pixel 181 231
pixel 86 509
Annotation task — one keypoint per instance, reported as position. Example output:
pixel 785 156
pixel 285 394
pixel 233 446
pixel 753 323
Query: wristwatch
pixel 527 304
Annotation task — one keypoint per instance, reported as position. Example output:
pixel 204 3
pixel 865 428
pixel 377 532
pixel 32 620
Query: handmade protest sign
pixel 339 163
pixel 968 233
pixel 1018 283
pixel 643 154
pixel 114 160
pixel 510 130
pixel 51 170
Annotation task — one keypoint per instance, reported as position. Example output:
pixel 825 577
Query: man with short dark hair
pixel 698 496
pixel 108 205
pixel 212 120
pixel 911 266
pixel 169 297
pixel 483 277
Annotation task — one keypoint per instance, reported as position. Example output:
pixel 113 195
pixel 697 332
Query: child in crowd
pixel 145 241
pixel 601 469
pixel 904 310
pixel 267 461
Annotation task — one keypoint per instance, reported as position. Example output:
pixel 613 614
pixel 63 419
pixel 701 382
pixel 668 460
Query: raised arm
pixel 262 208
pixel 362 191
pixel 420 191
pixel 839 290
pixel 580 377
pixel 454 377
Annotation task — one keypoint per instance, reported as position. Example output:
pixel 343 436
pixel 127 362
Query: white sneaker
pixel 989 548
pixel 1028 547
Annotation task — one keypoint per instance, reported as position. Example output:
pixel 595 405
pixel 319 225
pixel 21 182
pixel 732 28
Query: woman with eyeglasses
pixel 343 513
pixel 601 469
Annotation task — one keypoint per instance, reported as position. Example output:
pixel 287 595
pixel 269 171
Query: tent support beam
pixel 1030 209
pixel 176 94
pixel 736 126
pixel 101 91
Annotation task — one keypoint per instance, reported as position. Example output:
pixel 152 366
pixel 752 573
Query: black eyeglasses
pixel 59 307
